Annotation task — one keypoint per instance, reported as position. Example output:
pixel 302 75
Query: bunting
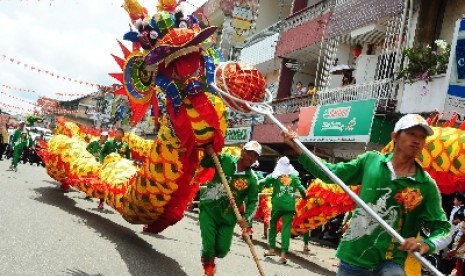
pixel 17 98
pixel 55 75
pixel 84 94
pixel 17 88
pixel 15 108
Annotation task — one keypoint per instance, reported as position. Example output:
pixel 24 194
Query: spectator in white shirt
pixel 459 200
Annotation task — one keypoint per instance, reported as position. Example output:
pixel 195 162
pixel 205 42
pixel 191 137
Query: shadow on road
pixel 78 272
pixel 261 246
pixel 53 182
pixel 139 256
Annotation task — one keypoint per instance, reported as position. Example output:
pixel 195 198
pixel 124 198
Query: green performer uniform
pixel 95 148
pixel 217 218
pixel 20 141
pixel 113 146
pixel 285 182
pixel 399 201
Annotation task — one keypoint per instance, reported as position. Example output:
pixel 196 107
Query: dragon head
pixel 180 54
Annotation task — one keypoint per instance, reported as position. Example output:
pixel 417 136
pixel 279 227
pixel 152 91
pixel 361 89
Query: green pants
pixel 17 151
pixel 285 230
pixel 306 238
pixel 216 236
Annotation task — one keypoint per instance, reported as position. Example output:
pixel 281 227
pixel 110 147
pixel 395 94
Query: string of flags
pixel 50 73
pixel 17 88
pixel 28 1
pixel 58 94
pixel 13 107
pixel 17 98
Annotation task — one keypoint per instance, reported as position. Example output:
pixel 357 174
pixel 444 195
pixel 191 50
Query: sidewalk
pixel 320 255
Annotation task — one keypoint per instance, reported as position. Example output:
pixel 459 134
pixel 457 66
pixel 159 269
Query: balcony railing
pixel 293 104
pixel 261 47
pixel 269 31
pixel 381 89
pixel 309 13
pixel 260 52
pixel 384 90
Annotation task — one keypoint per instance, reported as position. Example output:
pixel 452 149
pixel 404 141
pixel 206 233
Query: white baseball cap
pixel 104 133
pixel 254 146
pixel 411 120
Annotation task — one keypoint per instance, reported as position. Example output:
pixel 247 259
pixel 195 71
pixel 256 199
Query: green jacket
pixel 404 203
pixel 284 189
pixel 113 146
pixel 213 198
pixel 94 148
pixel 20 140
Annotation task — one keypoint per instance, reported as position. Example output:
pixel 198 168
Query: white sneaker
pixel 11 167
pixel 16 169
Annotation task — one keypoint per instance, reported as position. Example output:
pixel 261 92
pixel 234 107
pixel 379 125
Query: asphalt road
pixel 44 231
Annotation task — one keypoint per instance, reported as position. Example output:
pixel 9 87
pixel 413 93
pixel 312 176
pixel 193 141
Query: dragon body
pixel 178 63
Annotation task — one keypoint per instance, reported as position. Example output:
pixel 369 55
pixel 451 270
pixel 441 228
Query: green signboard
pixel 342 122
pixel 237 135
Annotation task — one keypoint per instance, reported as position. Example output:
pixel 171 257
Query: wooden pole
pixel 236 212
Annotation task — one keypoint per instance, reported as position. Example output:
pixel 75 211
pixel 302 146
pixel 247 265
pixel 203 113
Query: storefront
pixel 344 130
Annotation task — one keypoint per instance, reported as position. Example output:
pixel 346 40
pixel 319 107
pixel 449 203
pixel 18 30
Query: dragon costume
pixel 178 61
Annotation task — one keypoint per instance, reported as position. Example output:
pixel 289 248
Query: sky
pixel 71 38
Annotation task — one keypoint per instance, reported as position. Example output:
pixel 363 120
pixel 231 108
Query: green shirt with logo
pixel 284 189
pixel 405 203
pixel 113 146
pixel 21 139
pixel 243 185
pixel 94 148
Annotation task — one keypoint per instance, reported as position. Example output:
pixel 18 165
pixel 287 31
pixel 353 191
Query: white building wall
pixel 270 12
pixel 455 9
pixel 344 54
pixel 306 75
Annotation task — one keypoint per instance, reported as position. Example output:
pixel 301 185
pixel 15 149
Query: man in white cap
pixel 399 190
pixel 20 141
pixel 285 182
pixel 96 146
pixel 217 218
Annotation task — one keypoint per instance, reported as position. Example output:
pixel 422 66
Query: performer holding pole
pixel 240 103
pixel 234 181
pixel 399 191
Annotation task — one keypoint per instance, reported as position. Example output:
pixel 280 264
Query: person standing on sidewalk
pixel 20 141
pixel 399 190
pixel 217 218
pixel 3 139
pixel 458 202
pixel 285 182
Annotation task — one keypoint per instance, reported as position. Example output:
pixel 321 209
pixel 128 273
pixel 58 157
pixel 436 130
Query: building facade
pixel 323 39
